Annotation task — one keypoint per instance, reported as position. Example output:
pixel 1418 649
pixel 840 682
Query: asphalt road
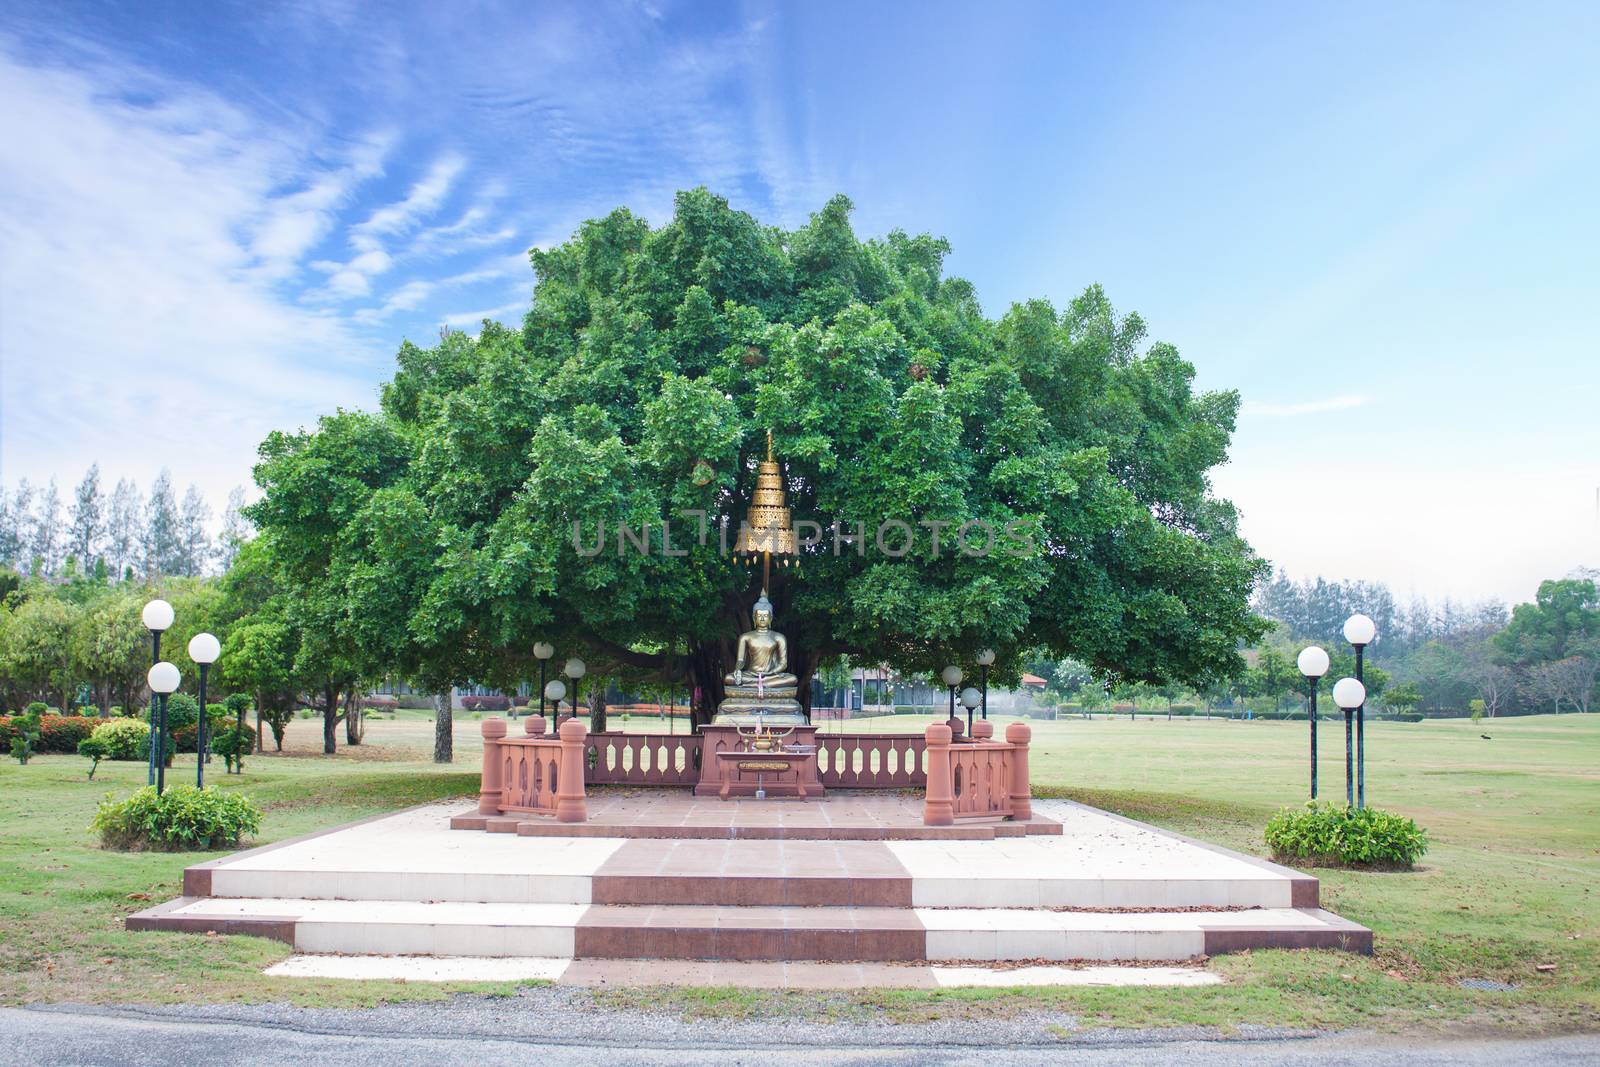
pixel 439 1036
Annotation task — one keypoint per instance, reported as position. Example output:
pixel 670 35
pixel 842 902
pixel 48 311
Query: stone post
pixel 491 788
pixel 570 804
pixel 1019 735
pixel 533 725
pixel 938 804
pixel 983 730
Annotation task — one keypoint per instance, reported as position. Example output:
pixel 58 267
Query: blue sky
pixel 1379 222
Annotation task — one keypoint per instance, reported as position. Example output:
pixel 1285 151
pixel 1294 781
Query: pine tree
pixel 124 528
pixel 236 529
pixel 88 520
pixel 15 519
pixel 45 541
pixel 194 544
pixel 161 549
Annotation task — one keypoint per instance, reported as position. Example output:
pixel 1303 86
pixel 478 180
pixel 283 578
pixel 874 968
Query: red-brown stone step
pixel 750 933
pixel 753 873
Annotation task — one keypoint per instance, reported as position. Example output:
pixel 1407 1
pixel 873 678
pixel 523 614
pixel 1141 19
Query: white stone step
pixel 791 975
pixel 405 928
pixel 1022 934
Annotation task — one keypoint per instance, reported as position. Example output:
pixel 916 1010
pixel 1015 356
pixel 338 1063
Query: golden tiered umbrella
pixel 767 530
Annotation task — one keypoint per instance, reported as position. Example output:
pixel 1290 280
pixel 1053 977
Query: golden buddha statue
pixel 760 688
pixel 763 653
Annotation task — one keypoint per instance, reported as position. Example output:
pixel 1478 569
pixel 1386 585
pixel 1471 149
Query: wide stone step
pixel 752 933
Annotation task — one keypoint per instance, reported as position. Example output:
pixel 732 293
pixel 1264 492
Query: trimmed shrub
pixel 415 702
pixel 184 737
pixel 181 819
pixel 94 750
pixel 24 737
pixel 380 703
pixel 1335 836
pixel 125 739
pixel 493 702
pixel 233 744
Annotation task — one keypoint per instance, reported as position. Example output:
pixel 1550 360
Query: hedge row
pixel 57 733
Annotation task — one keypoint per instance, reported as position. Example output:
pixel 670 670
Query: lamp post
pixel 163 679
pixel 157 616
pixel 1349 694
pixel 985 659
pixel 1313 664
pixel 575 669
pixel 204 649
pixel 542 651
pixel 970 698
pixel 952 678
pixel 1359 631
pixel 553 693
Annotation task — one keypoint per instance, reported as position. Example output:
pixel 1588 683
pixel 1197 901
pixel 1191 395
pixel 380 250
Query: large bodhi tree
pixel 435 538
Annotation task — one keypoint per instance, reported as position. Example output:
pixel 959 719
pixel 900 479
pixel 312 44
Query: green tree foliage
pixel 36 650
pixel 1564 618
pixel 434 538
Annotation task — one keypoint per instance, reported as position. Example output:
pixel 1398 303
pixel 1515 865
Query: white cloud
pixel 422 201
pixel 1306 407
pixel 145 226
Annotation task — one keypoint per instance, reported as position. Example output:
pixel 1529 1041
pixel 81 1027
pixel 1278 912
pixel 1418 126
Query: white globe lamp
pixel 204 648
pixel 1312 661
pixel 163 678
pixel 1359 630
pixel 1349 694
pixel 157 616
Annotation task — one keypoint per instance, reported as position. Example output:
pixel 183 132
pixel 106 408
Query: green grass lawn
pixel 1509 884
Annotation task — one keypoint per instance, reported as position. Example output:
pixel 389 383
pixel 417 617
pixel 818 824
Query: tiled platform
pixel 845 816
pixel 1104 888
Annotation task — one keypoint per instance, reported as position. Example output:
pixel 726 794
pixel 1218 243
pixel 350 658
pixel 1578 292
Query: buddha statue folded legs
pixel 760 685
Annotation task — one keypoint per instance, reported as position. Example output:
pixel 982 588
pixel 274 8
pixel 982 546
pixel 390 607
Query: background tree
pixel 46 536
pixel 639 386
pixel 1565 612
pixel 125 534
pixel 88 519
pixel 161 549
pixel 15 513
pixel 1273 676
pixel 194 542
pixel 36 652
pixel 111 650
pixel 236 529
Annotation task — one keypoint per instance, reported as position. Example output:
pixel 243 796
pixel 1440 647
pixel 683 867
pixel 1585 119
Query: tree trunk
pixel 355 718
pixel 597 709
pixel 705 675
pixel 443 729
pixel 330 719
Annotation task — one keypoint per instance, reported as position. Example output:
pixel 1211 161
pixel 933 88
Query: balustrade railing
pixel 530 771
pixel 871 761
pixel 977 779
pixel 533 773
pixel 642 759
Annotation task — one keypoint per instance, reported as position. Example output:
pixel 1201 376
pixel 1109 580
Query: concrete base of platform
pixel 798 975
pixel 1102 888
